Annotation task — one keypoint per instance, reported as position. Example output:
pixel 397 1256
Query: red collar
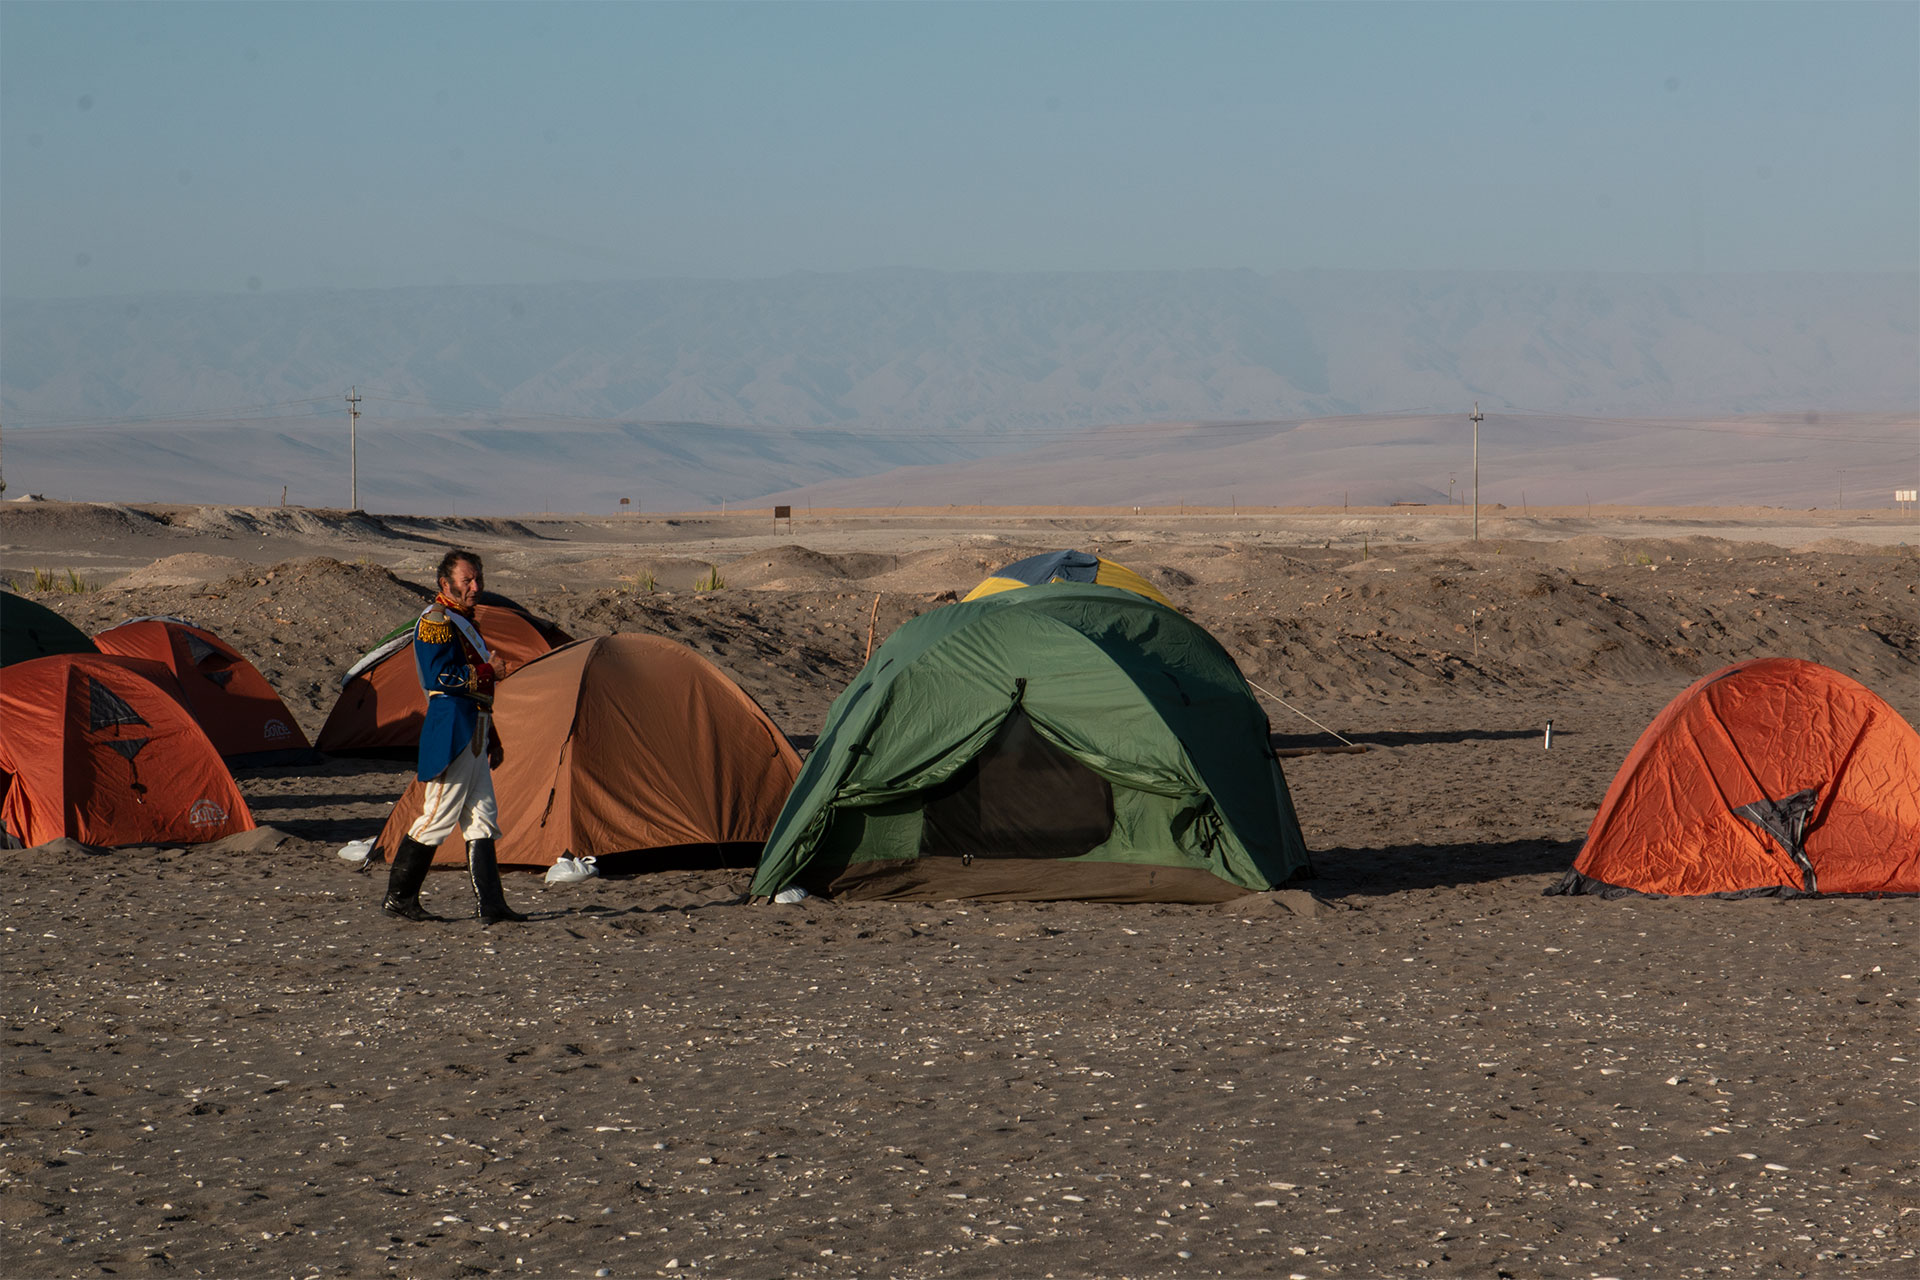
pixel 440 599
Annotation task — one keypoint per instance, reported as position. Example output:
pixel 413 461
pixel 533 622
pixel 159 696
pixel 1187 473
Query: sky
pixel 234 147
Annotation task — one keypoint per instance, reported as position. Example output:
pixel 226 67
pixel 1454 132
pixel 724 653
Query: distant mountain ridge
pixel 983 355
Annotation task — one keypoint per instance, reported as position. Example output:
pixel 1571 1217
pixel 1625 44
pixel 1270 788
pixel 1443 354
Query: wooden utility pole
pixel 1477 419
pixel 353 443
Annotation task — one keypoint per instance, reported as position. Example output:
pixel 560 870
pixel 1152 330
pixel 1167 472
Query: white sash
pixel 472 633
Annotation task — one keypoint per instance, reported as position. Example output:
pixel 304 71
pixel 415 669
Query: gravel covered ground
pixel 221 1060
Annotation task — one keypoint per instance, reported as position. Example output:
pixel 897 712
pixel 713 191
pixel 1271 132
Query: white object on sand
pixel 357 850
pixel 792 893
pixel 572 870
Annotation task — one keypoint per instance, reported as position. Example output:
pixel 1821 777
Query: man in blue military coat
pixel 455 745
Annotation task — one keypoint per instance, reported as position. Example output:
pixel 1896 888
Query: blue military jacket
pixel 445 665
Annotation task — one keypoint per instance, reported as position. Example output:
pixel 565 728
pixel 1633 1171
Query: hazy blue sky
pixel 224 147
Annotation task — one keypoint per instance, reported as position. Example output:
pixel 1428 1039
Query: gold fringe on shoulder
pixel 436 631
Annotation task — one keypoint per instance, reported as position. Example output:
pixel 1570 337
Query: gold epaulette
pixel 435 630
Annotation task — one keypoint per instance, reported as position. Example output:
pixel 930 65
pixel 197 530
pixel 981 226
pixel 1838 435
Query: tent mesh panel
pixel 199 650
pixel 105 708
pixel 1022 797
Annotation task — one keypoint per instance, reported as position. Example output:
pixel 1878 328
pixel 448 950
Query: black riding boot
pixel 485 873
pixel 410 863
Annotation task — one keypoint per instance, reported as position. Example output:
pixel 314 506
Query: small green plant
pixel 712 582
pixel 50 580
pixel 1639 558
pixel 646 583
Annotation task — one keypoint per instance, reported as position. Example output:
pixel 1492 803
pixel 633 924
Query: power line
pixel 1207 427
pixel 1215 429
pixel 1758 430
pixel 237 413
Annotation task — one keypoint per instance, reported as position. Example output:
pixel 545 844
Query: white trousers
pixel 461 797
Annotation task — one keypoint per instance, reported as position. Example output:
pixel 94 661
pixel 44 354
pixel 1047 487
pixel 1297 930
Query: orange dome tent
pixel 381 706
pixel 622 744
pixel 243 716
pixel 98 749
pixel 1770 777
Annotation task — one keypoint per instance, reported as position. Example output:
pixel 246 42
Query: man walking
pixel 455 748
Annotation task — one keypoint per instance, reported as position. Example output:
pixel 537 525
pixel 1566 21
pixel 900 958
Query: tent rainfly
pixel 243 716
pixel 28 629
pixel 622 745
pixel 1063 741
pixel 1771 777
pixel 100 749
pixel 1066 566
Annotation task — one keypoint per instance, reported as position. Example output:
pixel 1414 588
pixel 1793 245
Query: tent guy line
pixel 1297 711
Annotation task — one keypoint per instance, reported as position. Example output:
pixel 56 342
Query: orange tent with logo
pixel 381 705
pixel 244 717
pixel 1770 777
pixel 98 749
pixel 623 744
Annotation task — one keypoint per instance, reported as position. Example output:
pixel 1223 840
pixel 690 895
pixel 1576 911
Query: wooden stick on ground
pixel 870 621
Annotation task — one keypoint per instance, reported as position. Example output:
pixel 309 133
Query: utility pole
pixel 1477 419
pixel 353 443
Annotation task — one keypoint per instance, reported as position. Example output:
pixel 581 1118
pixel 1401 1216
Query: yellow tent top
pixel 1067 566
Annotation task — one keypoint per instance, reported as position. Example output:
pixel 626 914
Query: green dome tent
pixel 30 630
pixel 1063 741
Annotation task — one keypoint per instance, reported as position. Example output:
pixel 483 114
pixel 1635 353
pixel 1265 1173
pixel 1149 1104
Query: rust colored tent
pixel 381 707
pixel 96 748
pixel 1772 777
pixel 622 745
pixel 243 716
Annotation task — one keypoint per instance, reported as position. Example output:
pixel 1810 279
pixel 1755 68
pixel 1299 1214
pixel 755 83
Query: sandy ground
pixel 222 1060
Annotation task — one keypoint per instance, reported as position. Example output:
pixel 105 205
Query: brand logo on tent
pixel 276 729
pixel 205 813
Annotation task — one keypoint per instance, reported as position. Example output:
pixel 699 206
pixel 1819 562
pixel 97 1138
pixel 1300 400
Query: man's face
pixel 463 585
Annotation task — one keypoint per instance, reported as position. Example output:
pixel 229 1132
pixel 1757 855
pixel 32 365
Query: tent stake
pixel 875 617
